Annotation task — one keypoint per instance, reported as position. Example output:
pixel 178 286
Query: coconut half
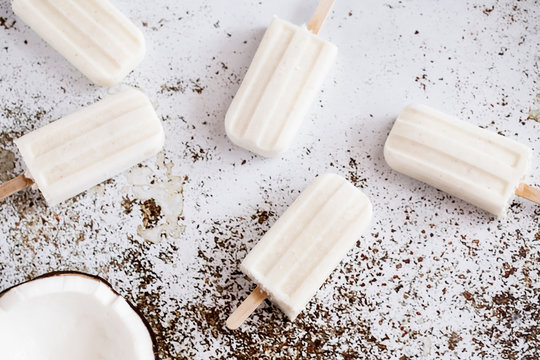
pixel 67 316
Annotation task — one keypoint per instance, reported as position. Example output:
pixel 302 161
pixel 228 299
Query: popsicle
pixel 281 83
pixel 479 166
pixel 294 258
pixel 93 35
pixel 72 154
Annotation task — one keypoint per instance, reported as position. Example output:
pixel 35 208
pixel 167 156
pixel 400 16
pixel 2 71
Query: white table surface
pixel 433 278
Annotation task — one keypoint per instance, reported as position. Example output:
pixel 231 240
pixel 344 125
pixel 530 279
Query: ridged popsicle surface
pixel 287 71
pixel 296 256
pixel 91 34
pixel 474 164
pixel 92 145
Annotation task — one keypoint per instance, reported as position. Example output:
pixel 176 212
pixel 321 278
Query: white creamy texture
pixel 91 34
pixel 282 81
pixel 81 150
pixel 476 165
pixel 296 256
pixel 70 317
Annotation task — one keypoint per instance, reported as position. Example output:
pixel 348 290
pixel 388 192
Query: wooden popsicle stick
pixel 320 14
pixel 528 192
pixel 14 185
pixel 245 309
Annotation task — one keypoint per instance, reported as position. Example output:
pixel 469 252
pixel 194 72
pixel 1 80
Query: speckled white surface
pixel 433 278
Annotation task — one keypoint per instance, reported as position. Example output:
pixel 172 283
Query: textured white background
pixel 434 277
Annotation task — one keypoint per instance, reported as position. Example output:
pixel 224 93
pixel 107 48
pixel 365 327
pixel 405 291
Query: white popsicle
pixel 476 165
pixel 85 148
pixel 92 35
pixel 296 256
pixel 281 83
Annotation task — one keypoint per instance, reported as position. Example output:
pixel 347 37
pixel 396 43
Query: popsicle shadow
pixel 371 137
pixel 223 78
pixel 368 167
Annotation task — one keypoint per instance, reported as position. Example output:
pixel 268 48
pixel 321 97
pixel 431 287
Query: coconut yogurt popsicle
pixel 473 164
pixel 85 148
pixel 282 81
pixel 296 256
pixel 93 35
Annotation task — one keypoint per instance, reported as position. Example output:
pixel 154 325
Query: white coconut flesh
pixel 70 316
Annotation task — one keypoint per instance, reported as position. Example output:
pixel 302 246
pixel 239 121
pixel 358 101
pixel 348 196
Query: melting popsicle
pixel 85 148
pixel 294 258
pixel 473 164
pixel 93 35
pixel 281 83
